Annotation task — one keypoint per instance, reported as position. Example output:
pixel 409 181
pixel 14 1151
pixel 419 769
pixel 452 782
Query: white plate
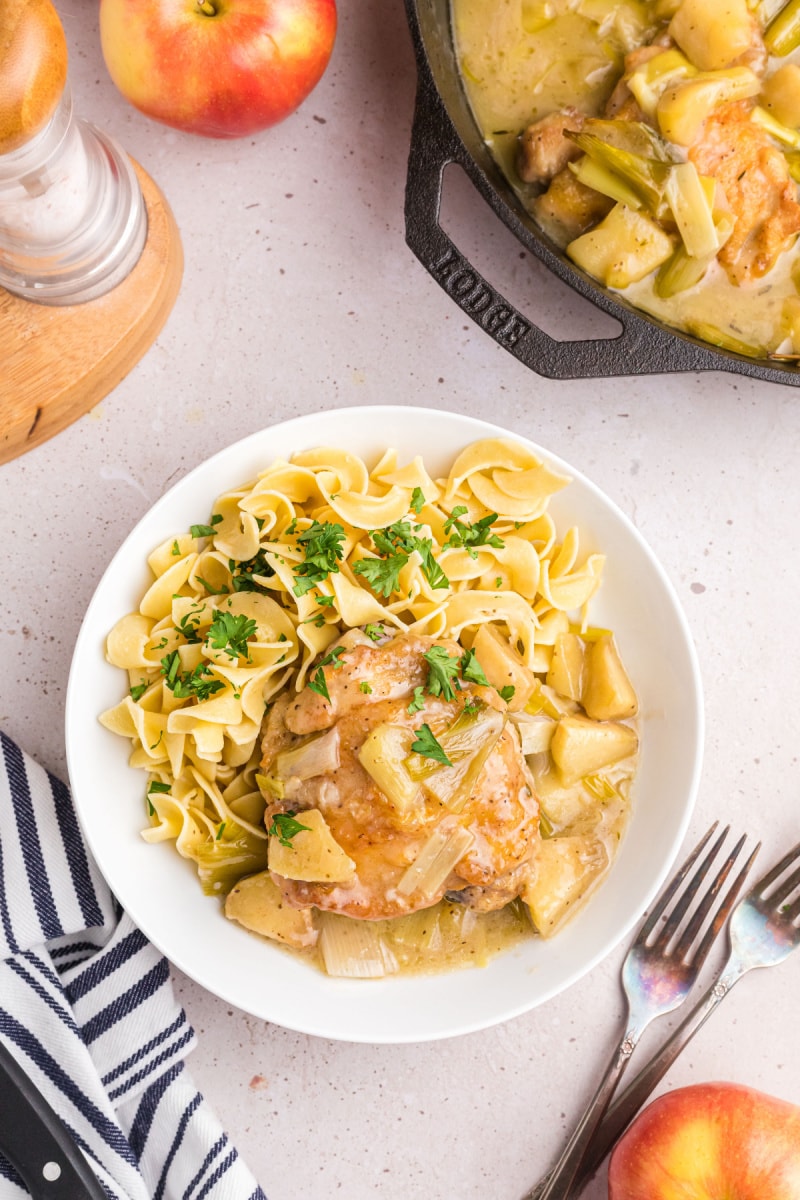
pixel 161 891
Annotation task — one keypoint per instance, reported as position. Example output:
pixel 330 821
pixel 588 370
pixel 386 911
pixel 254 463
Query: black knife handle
pixel 36 1142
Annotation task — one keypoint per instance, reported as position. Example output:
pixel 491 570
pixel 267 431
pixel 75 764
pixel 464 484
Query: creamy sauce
pixel 513 77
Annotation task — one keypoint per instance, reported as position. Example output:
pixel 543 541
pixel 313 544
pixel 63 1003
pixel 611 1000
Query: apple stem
pixel 207 7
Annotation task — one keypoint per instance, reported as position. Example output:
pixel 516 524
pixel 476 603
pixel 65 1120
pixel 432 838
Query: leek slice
pixel 632 151
pixel 692 210
pixel 429 871
pixel 782 35
pixel 781 133
pixel 594 174
pixel 320 756
pixel 354 949
pixel 535 733
pixel 649 80
pixel 467 743
pixel 224 861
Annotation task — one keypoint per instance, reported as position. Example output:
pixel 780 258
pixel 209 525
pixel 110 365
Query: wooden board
pixel 58 362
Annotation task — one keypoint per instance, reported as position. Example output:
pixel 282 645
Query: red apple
pixel 711 1141
pixel 221 68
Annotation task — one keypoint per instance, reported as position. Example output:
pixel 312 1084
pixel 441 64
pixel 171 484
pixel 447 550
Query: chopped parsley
pixel 333 658
pixel 465 536
pixel 243 572
pixel 374 632
pixel 417 500
pixel 176 548
pixel 213 591
pixel 427 745
pixel 322 547
pixel 382 574
pixel 506 693
pixel 187 626
pixel 155 786
pixel 396 543
pixel 284 828
pixel 472 670
pixel 418 702
pixel 138 690
pixel 443 669
pixel 365 687
pixel 199 531
pixel 188 683
pixel 318 684
pixel 230 632
pixel 220 831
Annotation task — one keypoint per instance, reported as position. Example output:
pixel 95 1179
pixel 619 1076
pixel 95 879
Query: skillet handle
pixel 640 349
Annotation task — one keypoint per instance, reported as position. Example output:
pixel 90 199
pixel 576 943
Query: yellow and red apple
pixel 221 68
pixel 710 1141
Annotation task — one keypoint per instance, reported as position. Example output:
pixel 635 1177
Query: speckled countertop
pixel 300 294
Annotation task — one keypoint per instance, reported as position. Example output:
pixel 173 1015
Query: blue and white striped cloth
pixel 87 1009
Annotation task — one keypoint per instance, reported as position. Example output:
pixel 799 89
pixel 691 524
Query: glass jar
pixel 73 222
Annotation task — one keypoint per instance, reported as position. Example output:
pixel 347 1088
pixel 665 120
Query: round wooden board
pixel 58 362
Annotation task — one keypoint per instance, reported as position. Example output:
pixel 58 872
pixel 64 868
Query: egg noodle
pixel 243 607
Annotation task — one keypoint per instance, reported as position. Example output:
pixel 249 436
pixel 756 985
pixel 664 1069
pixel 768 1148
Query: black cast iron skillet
pixel 444 131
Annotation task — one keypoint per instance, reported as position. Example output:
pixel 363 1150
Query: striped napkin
pixel 87 1009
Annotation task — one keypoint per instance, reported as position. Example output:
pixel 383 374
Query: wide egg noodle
pixel 126 643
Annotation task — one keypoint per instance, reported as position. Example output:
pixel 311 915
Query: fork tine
pixel 695 924
pixel 701 953
pixel 772 876
pixel 689 893
pixel 655 913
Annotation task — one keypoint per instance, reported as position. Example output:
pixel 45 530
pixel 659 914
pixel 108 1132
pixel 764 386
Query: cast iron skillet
pixel 444 131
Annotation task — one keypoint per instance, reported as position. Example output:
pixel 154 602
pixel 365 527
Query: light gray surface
pixel 299 294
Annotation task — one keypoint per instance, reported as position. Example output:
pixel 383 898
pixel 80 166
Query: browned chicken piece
pixel 568 208
pixel 501 811
pixel 543 150
pixel 760 191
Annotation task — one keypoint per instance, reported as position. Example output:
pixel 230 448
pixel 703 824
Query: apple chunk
pixel 608 694
pixel 565 869
pixel 313 854
pixel 256 902
pixel 581 746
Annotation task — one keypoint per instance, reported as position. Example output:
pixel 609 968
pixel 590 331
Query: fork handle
pixel 559 1185
pixel 620 1114
pixel 626 1106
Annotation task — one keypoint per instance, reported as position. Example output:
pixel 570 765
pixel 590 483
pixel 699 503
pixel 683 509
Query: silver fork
pixel 762 932
pixel 657 975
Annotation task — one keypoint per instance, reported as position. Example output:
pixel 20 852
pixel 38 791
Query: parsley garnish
pixel 176 548
pixel 333 658
pixel 138 690
pixel 186 684
pixel 318 684
pixel 382 574
pixel 365 687
pixel 322 546
pixel 430 567
pixel 443 669
pixel 242 572
pixel 188 625
pixel 472 670
pixel 417 500
pixel 506 693
pixel 155 786
pixel 427 745
pixel 198 531
pixel 418 702
pixel 220 831
pixel 213 591
pixel 284 828
pixel 230 632
pixel 466 536
pixel 374 632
